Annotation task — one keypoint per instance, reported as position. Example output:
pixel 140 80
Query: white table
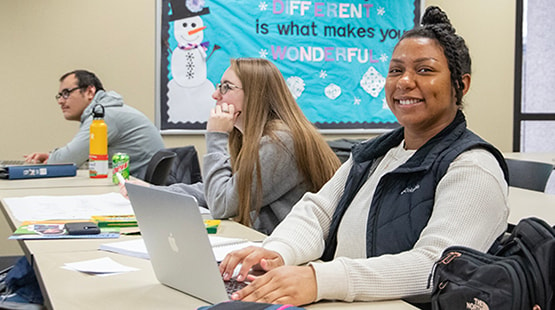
pixel 65 289
pixel 526 203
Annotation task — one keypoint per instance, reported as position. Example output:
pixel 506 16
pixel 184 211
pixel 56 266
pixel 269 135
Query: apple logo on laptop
pixel 173 244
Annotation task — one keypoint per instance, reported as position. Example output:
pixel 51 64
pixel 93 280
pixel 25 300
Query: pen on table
pixel 120 178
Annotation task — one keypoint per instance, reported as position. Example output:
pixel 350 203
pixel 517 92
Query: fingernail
pixel 226 275
pixel 240 277
pixel 234 296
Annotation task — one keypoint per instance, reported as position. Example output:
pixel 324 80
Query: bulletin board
pixel 334 56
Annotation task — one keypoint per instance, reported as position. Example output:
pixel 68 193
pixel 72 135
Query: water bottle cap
pixel 98 111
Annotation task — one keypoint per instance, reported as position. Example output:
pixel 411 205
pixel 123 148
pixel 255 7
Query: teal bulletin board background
pixel 334 55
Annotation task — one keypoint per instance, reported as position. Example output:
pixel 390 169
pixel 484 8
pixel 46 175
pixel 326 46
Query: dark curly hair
pixel 436 25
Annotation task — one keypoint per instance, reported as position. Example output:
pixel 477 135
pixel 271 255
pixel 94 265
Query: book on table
pixel 31 171
pixel 115 220
pixel 131 221
pixel 56 229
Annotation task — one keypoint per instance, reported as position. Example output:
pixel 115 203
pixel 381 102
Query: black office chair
pixel 159 167
pixel 342 147
pixel 185 167
pixel 528 174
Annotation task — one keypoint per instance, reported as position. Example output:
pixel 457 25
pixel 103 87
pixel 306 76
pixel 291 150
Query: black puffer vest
pixel 404 198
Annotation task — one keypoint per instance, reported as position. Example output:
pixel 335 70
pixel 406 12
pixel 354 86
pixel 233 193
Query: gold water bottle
pixel 98 144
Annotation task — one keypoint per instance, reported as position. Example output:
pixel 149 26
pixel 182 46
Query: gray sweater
pixel 129 131
pixel 282 183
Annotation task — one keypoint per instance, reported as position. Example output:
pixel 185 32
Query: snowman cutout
pixel 189 91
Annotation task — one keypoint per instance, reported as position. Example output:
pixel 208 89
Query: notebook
pixel 176 240
pixel 32 171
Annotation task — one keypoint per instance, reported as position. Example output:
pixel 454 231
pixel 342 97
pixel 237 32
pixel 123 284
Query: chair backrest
pixel 159 167
pixel 186 166
pixel 528 174
pixel 342 147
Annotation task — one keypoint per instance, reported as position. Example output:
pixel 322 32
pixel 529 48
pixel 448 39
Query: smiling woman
pixel 388 213
pixel 418 89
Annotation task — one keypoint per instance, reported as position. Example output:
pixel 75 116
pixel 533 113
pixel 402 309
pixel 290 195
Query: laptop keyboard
pixel 12 162
pixel 233 286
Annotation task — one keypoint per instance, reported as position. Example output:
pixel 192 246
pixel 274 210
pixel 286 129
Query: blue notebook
pixel 38 171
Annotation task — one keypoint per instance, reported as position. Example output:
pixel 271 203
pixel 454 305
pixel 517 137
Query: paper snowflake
pixel 384 104
pixel 323 74
pixel 384 57
pixel 263 53
pixel 332 91
pixel 372 82
pixel 263 6
pixel 357 101
pixel 381 11
pixel 296 86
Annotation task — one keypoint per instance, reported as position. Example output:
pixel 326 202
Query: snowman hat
pixel 187 8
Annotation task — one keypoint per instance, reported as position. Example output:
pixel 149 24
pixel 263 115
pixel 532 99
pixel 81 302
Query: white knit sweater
pixel 470 209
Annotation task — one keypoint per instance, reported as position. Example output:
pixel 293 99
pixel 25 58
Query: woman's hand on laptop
pixel 253 257
pixel 294 285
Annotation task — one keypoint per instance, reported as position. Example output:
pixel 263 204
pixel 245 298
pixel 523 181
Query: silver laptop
pixel 177 242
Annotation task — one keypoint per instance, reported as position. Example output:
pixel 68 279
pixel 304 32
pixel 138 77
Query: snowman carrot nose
pixel 196 30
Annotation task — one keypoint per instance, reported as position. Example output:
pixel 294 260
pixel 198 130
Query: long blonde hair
pixel 269 106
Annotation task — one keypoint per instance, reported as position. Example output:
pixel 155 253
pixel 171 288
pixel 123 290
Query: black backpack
pixel 518 272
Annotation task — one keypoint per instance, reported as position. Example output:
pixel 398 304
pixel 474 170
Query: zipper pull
pixel 449 257
pixel 446 259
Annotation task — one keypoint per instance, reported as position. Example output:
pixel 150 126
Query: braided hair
pixel 436 25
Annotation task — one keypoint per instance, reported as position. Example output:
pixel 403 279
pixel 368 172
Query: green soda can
pixel 120 164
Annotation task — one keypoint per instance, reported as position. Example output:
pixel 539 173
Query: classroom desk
pixel 65 289
pixel 140 290
pixel 135 290
pixel 541 157
pixel 526 203
pixel 80 180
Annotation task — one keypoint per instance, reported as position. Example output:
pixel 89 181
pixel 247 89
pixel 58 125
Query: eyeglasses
pixel 225 87
pixel 66 92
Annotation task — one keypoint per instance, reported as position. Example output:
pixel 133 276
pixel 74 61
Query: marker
pixel 120 178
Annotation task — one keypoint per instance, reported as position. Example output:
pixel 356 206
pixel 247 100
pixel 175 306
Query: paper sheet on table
pixel 136 248
pixel 100 266
pixel 39 208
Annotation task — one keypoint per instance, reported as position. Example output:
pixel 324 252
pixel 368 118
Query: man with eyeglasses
pixel 129 130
